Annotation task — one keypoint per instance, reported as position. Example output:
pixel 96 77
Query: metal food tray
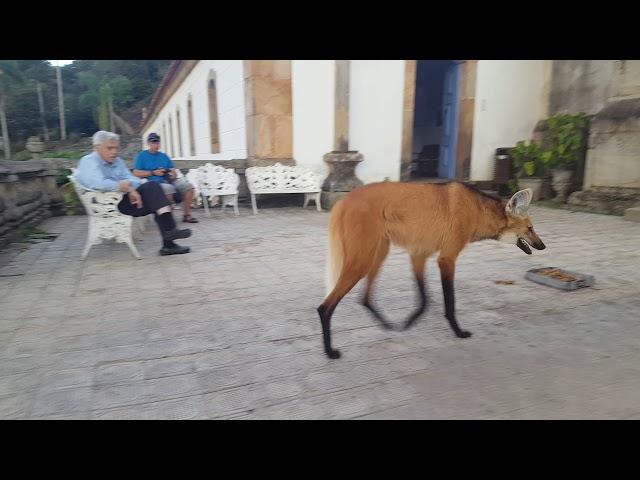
pixel 581 282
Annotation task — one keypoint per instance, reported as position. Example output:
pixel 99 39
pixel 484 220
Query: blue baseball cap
pixel 153 137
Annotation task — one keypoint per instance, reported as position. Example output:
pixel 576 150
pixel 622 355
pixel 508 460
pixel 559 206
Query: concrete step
pixel 632 214
pixel 609 200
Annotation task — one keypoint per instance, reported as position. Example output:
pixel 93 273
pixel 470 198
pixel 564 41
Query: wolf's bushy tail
pixel 335 249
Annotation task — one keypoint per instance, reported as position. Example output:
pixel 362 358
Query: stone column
pixel 468 74
pixel 342 162
pixel 51 198
pixel 35 146
pixel 268 112
pixel 408 110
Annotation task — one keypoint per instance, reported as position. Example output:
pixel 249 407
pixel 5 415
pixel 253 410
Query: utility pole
pixel 42 114
pixel 63 130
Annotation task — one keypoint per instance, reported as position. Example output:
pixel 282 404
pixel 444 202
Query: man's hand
pixel 125 186
pixel 135 198
pixel 159 172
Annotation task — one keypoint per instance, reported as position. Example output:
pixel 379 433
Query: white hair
pixel 103 136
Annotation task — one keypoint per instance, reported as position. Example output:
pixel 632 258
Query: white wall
pixel 231 112
pixel 312 92
pixel 510 99
pixel 375 117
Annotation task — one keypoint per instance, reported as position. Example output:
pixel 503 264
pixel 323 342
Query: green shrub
pixel 567 137
pixel 529 160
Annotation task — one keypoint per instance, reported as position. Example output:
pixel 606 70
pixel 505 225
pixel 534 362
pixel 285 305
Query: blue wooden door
pixel 447 163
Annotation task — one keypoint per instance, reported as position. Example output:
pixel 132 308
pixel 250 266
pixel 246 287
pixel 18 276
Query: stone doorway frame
pixel 466 109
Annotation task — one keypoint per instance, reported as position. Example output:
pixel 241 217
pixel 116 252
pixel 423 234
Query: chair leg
pixel 235 205
pixel 205 201
pixel 254 204
pixel 91 237
pixel 318 206
pixel 132 247
pixel 87 247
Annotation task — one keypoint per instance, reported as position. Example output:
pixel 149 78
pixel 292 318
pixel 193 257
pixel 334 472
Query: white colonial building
pixel 407 118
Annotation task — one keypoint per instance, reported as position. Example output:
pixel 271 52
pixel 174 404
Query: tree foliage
pixel 89 86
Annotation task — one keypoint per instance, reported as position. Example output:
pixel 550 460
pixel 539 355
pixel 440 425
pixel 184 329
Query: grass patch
pixel 35 235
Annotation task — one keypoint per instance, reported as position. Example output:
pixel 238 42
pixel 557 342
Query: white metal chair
pixel 213 181
pixel 105 220
pixel 280 178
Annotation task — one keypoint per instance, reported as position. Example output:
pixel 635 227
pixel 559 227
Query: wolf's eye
pixel 531 228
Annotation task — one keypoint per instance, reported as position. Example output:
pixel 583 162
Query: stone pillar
pixel 54 198
pixel 268 112
pixel 342 162
pixel 341 106
pixel 35 146
pixel 468 75
pixel 408 110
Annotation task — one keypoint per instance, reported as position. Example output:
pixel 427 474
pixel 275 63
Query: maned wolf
pixel 423 219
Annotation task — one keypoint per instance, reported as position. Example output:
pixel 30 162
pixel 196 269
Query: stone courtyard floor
pixel 230 331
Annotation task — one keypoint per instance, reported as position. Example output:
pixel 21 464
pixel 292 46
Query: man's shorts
pixel 178 188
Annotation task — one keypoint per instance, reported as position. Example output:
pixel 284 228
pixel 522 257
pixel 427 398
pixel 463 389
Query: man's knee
pixel 149 187
pixel 151 190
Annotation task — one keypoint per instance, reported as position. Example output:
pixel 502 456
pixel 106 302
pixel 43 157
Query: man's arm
pixel 147 173
pixel 125 174
pixel 172 168
pixel 140 172
pixel 90 176
pixel 129 184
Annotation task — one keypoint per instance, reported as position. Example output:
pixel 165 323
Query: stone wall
pixel 581 85
pixel 609 90
pixel 613 158
pixel 28 195
pixel 609 200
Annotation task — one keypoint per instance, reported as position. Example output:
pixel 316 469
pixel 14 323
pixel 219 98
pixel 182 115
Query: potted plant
pixel 567 140
pixel 530 166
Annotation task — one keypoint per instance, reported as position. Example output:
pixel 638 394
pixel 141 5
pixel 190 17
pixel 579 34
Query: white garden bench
pixel 212 181
pixel 105 220
pixel 280 178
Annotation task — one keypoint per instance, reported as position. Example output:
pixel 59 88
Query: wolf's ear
pixel 519 203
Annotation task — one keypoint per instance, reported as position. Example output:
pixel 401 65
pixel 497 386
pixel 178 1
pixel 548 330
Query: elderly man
pixel 104 171
pixel 156 166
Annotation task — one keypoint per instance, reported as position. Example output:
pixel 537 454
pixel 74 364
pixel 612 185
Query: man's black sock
pixel 166 221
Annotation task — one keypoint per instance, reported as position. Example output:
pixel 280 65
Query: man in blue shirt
pixel 156 166
pixel 104 171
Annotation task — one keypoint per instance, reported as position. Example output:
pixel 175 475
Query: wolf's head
pixel 519 228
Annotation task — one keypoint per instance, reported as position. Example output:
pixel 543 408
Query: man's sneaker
pixel 176 233
pixel 175 250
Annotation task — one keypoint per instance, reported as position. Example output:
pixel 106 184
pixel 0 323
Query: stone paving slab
pixel 230 330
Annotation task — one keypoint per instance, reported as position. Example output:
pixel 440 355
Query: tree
pixel 39 74
pixel 130 86
pixel 9 78
pixel 102 95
